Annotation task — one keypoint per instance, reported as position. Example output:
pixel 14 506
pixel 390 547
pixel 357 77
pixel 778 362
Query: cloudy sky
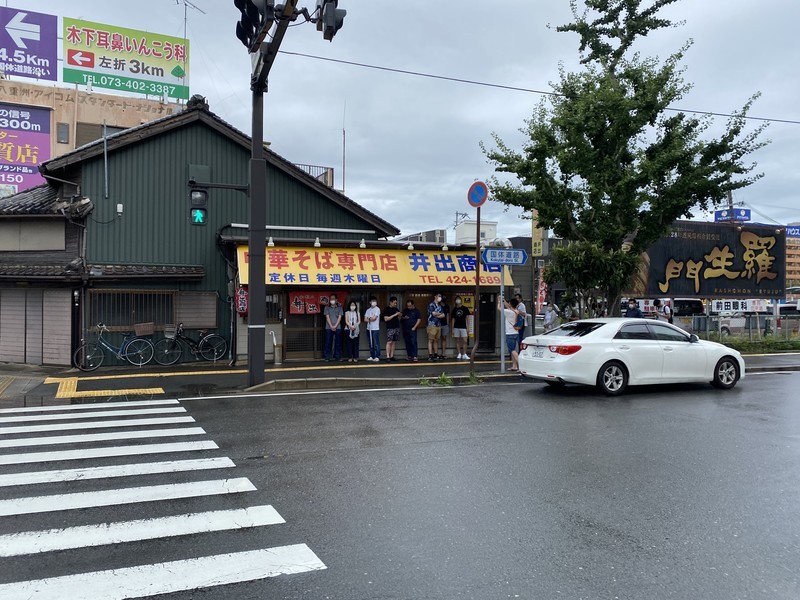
pixel 412 142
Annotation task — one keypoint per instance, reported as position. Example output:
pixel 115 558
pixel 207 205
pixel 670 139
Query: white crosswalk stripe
pixel 166 574
pixel 94 425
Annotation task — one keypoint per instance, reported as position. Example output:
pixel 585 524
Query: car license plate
pixel 537 351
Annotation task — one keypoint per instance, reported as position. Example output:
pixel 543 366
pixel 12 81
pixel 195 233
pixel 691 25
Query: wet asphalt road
pixel 519 491
pixel 505 491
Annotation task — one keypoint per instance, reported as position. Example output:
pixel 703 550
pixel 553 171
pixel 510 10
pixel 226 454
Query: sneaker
pixel 431 357
pixel 458 357
pixel 466 357
pixel 415 359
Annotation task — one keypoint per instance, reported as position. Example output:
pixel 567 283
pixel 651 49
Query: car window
pixel 575 329
pixel 634 331
pixel 662 332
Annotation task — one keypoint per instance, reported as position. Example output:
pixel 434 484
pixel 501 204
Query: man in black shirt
pixel 458 325
pixel 391 316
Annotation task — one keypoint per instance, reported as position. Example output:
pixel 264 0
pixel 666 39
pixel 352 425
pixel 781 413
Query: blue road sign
pixel 739 214
pixel 504 256
pixel 477 194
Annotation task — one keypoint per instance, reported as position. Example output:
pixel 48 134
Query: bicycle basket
pixel 169 332
pixel 144 328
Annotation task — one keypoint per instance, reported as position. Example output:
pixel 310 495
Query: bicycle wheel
pixel 139 352
pixel 167 351
pixel 213 347
pixel 88 357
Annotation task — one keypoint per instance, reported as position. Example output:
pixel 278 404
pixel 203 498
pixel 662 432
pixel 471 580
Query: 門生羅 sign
pixel 710 260
pixel 24 145
pixel 123 59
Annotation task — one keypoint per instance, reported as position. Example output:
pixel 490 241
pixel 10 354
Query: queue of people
pixel 441 323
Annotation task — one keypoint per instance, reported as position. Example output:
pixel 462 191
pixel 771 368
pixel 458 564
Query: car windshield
pixel 575 329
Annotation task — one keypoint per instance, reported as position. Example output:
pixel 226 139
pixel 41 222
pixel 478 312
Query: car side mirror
pixel 693 339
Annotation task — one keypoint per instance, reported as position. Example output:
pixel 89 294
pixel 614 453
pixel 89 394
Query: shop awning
pixel 300 266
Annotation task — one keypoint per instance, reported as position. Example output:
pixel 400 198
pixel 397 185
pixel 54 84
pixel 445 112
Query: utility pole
pixel 258 17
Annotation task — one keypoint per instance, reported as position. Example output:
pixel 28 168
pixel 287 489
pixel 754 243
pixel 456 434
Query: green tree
pixel 609 163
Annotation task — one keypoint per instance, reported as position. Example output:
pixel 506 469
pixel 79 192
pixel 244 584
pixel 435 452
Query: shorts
pixel 459 333
pixel 445 330
pixel 511 342
pixel 392 335
pixel 434 332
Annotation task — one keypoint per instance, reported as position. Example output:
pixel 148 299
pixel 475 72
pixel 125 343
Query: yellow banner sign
pixel 359 267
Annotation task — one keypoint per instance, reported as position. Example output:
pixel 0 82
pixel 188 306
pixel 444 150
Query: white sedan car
pixel 613 353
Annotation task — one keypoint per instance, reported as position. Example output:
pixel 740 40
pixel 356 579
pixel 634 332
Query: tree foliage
pixel 609 160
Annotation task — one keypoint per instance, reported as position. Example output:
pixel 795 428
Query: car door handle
pixel 668 348
pixel 624 347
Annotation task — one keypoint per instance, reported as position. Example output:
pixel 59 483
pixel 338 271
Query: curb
pixel 327 383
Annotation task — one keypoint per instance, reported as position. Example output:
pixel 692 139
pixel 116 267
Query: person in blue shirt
pixel 434 328
pixel 633 310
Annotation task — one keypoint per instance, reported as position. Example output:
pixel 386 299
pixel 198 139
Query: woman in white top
pixel 352 321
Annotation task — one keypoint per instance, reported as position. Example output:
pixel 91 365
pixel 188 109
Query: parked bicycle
pixel 137 351
pixel 168 351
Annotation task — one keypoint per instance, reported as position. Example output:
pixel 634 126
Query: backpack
pixel 519 324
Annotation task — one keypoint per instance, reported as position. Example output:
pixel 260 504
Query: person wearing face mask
pixel 371 318
pixel 333 329
pixel 633 310
pixel 352 321
pixel 411 321
pixel 458 325
pixel 550 317
pixel 434 328
pixel 392 315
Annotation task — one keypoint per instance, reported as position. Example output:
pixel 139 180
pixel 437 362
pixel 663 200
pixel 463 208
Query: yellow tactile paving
pixel 68 388
pixel 4 383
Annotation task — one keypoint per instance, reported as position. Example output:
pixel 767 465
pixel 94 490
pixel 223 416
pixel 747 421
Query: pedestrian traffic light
pixel 331 19
pixel 198 206
pixel 256 21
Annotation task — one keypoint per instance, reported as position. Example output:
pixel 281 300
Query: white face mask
pixel 373 303
pixel 352 307
pixel 438 299
pixel 631 306
pixel 333 301
pixel 458 302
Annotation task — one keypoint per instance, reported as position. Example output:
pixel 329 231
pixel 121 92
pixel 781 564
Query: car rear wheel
pixel 726 373
pixel 612 378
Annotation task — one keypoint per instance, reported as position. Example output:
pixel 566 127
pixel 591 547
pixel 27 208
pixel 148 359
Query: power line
pixel 514 88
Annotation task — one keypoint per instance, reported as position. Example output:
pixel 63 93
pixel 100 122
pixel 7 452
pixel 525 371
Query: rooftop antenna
pixel 460 218
pixel 186 6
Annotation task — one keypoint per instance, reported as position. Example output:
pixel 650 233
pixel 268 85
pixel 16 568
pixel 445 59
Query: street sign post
pixel 477 194
pixel 504 256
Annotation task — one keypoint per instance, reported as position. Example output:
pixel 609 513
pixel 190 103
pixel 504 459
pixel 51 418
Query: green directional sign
pixel 198 216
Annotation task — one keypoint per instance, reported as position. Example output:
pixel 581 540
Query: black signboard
pixel 716 260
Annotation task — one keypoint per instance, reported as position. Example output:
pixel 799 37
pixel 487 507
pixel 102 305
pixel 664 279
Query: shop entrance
pixel 488 323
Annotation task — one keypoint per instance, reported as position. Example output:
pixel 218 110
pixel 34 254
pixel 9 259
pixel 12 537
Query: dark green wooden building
pixel 141 260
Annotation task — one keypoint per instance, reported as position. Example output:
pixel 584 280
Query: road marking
pixel 99 437
pixel 33 542
pixel 92 415
pixel 172 466
pixel 134 495
pixel 69 389
pixel 164 578
pixel 39 457
pixel 95 425
pixel 88 406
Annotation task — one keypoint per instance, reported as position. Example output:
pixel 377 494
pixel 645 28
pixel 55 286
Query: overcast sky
pixel 412 146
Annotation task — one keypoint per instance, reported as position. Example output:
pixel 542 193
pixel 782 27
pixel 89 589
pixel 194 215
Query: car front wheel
pixel 612 378
pixel 726 373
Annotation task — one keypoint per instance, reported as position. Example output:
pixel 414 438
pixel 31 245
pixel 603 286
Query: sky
pixel 409 145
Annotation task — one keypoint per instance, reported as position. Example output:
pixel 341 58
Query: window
pixel 667 334
pixel 634 331
pixel 575 329
pixel 62 133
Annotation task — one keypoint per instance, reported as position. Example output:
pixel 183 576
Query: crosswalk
pixel 152 439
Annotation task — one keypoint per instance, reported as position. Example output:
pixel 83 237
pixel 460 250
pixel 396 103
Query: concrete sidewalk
pixel 202 378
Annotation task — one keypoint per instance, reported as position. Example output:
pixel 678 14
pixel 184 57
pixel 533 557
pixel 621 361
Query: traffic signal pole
pixel 257 20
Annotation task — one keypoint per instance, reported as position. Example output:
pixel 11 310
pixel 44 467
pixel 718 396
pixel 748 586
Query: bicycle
pixel 90 355
pixel 168 351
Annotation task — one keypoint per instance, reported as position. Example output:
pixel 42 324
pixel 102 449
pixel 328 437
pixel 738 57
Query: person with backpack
pixel 508 308
pixel 663 313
